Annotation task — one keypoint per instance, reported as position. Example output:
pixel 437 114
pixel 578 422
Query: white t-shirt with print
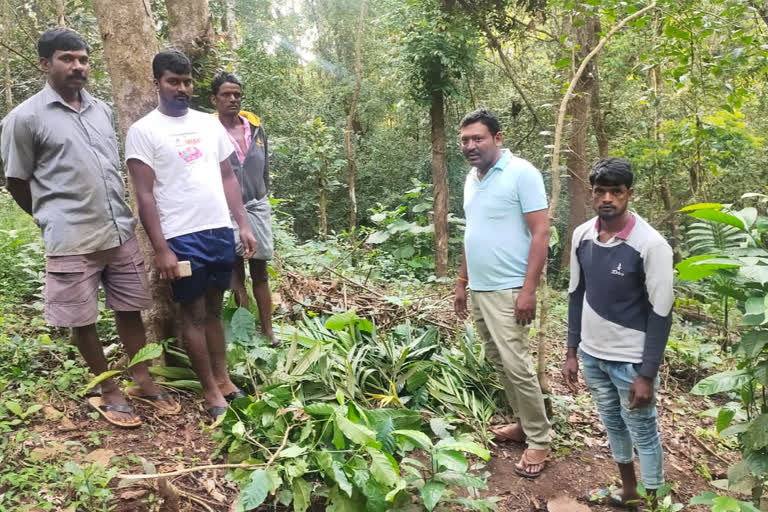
pixel 185 153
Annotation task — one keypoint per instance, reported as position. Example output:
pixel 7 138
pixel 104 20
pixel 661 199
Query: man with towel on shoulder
pixel 250 161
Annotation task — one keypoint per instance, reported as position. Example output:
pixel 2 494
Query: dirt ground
pixel 582 458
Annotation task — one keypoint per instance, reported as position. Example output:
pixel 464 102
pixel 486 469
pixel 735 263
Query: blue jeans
pixel 608 382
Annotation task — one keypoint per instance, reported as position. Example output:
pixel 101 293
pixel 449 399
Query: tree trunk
pixel 349 133
pixel 439 183
pixel 323 207
pixel 129 44
pixel 595 110
pixel 6 59
pixel 60 21
pixel 229 23
pixel 578 109
pixel 189 26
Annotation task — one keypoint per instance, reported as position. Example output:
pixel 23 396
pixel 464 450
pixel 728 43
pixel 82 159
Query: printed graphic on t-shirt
pixel 187 145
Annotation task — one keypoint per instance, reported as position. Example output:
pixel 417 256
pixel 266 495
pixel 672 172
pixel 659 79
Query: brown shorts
pixel 72 284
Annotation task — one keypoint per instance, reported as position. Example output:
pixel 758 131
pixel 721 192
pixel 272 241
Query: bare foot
pixel 509 432
pixel 115 397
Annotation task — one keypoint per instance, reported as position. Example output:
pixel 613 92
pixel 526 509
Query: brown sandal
pixel 508 432
pixel 104 409
pixel 527 460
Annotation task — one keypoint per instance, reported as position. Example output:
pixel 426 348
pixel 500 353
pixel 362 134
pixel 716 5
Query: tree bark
pixel 349 133
pixel 585 36
pixel 189 26
pixel 229 23
pixel 322 206
pixel 7 83
pixel 129 44
pixel 60 21
pixel 439 183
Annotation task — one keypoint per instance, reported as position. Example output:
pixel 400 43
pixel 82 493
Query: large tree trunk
pixel 189 26
pixel 439 183
pixel 576 161
pixel 229 23
pixel 129 44
pixel 349 133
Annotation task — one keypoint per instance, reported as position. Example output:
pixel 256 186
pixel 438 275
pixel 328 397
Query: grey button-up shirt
pixel 71 162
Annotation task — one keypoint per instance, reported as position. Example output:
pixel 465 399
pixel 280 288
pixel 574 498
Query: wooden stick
pixel 184 471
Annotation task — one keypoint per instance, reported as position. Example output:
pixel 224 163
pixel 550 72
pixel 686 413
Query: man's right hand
pixel 167 265
pixel 571 372
pixel 460 301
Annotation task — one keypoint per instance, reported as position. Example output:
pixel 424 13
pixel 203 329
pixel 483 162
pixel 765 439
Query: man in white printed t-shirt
pixel 178 159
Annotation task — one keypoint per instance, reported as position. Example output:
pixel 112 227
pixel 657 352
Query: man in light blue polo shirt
pixel 505 250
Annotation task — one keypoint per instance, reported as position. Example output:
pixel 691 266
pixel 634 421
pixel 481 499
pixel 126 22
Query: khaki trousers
pixel 506 347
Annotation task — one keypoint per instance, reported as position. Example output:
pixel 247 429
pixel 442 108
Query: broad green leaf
pixel 748 215
pixel 255 491
pixel 189 385
pixel 440 427
pixel 147 352
pixel 756 273
pixel 701 206
pixel 243 325
pixel 420 439
pixel 756 436
pixel 431 494
pixel 705 498
pixel 14 407
pixel 690 270
pixel 460 479
pixel 100 378
pixel 720 382
pixel 285 497
pixel 755 306
pixel 452 460
pixel 319 409
pixel 757 462
pixel 725 504
pixel 378 237
pixel 173 372
pixel 292 452
pixel 365 325
pixel 383 467
pixel 359 434
pixel 719 217
pixel 340 321
pixel 724 418
pixel 562 63
pixel 465 446
pixel 399 487
pixel 302 491
pixel 752 343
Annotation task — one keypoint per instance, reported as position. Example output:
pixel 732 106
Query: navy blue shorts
pixel 211 254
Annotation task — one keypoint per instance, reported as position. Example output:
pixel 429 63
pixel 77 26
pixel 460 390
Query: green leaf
pixel 562 63
pixel 377 237
pixel 452 460
pixel 752 343
pixel 100 378
pixel 465 446
pixel 431 494
pixel 701 206
pixel 420 439
pixel 756 436
pixel 302 491
pixel 724 418
pixel 14 407
pixel 705 498
pixel 460 479
pixel 440 427
pixel 173 372
pixel 292 452
pixel 719 217
pixel 255 491
pixel 355 432
pixel 690 269
pixel 147 352
pixel 321 409
pixel 725 504
pixel 340 321
pixel 720 382
pixel 243 325
pixel 756 273
pixel 757 462
pixel 383 467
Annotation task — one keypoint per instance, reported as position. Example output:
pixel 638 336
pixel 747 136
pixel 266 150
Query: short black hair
pixel 170 60
pixel 612 171
pixel 62 39
pixel 221 78
pixel 487 117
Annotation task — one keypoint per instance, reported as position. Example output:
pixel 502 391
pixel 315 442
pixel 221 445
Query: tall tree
pixel 129 44
pixel 439 47
pixel 189 26
pixel 349 133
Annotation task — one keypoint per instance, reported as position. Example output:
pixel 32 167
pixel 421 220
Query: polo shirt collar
pixel 51 96
pixel 624 233
pixel 500 164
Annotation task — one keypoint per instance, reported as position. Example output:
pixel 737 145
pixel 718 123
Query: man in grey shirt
pixel 59 151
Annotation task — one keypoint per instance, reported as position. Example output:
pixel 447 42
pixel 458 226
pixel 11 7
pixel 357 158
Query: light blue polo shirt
pixel 497 239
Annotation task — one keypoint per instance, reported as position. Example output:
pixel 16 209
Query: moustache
pixel 182 97
pixel 76 75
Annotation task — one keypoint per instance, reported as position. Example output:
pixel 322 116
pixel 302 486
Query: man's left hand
pixel 525 307
pixel 640 392
pixel 249 242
